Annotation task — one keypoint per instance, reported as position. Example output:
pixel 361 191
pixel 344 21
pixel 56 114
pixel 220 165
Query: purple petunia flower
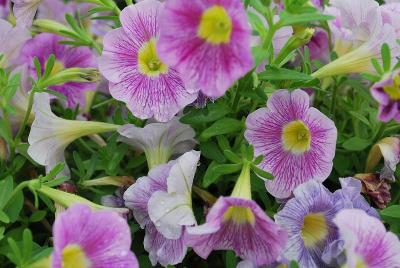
pixel 10 47
pixel 84 238
pixel 319 45
pixel 297 141
pixel 308 219
pixel 240 225
pixel 137 76
pixel 366 242
pixel 45 44
pixel 387 93
pixel 164 223
pixel 390 14
pixel 4 8
pixel 207 41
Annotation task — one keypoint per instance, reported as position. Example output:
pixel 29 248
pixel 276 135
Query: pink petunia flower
pixel 207 41
pixel 84 238
pixel 137 76
pixel 297 141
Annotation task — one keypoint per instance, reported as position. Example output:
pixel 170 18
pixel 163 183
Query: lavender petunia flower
pixel 207 41
pixel 137 76
pixel 240 225
pixel 387 93
pixel 159 141
pixel 45 44
pixel 366 242
pixel 84 238
pixel 308 218
pixel 25 10
pixel 55 10
pixel 10 47
pixel 162 180
pixel 390 14
pixel 297 141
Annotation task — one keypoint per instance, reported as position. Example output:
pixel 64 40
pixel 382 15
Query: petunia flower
pixel 84 238
pixel 159 141
pixel 172 209
pixel 297 141
pixel 25 10
pixel 10 47
pixel 162 180
pixel 45 44
pixel 237 223
pixel 207 41
pixel 359 33
pixel 136 75
pixel 390 14
pixel 308 219
pixel 366 241
pixel 50 135
pixel 387 93
pixel 319 45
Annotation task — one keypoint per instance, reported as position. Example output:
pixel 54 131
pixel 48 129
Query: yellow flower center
pixel 314 230
pixel 57 67
pixel 239 215
pixel 296 137
pixel 393 90
pixel 74 257
pixel 148 60
pixel 215 26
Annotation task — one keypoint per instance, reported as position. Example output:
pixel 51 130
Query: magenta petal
pixel 261 242
pixel 212 68
pixel 103 236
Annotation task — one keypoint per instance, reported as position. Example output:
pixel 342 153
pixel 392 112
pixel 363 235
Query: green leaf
pixel 224 169
pixel 37 216
pixel 3 217
pixel 230 259
pixel 2 229
pixel 391 212
pixel 210 176
pixel 27 243
pixel 294 264
pixel 386 57
pixel 261 173
pixel 211 151
pixel 212 112
pixel 222 126
pixel 291 19
pixel 356 144
pixel 277 74
pixel 6 187
pixel 360 117
pixel 232 157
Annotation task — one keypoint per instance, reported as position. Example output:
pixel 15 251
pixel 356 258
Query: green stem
pixel 333 102
pixel 26 118
pixel 380 132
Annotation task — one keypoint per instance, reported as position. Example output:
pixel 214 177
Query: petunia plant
pixel 199 133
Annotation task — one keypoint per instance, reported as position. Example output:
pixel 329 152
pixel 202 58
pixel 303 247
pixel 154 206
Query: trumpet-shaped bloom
pixel 137 76
pixel 25 10
pixel 297 141
pixel 159 141
pixel 308 219
pixel 389 149
pixel 50 135
pixel 157 217
pixel 240 225
pixel 10 47
pixel 84 238
pixel 387 93
pixel 366 242
pixel 45 44
pixel 207 41
pixel 390 15
pixel 359 32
